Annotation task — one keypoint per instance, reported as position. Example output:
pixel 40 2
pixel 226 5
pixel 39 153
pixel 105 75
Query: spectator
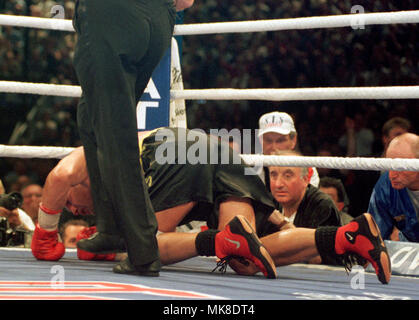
pixel 394 201
pixel 358 139
pixel 358 142
pixel 11 215
pixel 16 218
pixel 32 195
pixel 24 218
pixel 303 204
pixel 19 175
pixel 392 128
pixel 277 132
pixel 335 189
pixel 74 230
pixel 69 231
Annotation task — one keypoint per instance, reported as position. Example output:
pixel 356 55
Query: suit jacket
pixel 316 209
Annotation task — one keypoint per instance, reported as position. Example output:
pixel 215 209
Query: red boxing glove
pixel 45 245
pixel 84 255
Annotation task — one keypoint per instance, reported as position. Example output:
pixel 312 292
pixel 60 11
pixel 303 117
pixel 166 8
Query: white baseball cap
pixel 279 122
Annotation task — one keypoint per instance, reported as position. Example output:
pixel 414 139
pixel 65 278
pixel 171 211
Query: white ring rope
pixel 46 89
pixel 337 21
pixel 356 163
pixel 395 92
pixel 28 152
pixel 326 93
pixel 322 22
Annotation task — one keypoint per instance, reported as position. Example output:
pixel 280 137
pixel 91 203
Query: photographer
pixel 17 218
pixel 14 222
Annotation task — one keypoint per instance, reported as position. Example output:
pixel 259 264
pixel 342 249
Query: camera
pixel 11 200
pixel 8 236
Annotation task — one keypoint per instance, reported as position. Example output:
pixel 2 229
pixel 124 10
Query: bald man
pixel 394 202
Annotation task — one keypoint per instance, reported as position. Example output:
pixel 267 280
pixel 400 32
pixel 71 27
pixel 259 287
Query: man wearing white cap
pixel 277 132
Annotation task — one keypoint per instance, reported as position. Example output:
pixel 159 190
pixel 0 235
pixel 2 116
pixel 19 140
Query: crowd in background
pixel 373 56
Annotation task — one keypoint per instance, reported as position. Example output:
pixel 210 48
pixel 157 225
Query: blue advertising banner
pixel 154 106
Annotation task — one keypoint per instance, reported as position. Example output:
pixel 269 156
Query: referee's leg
pixel 104 218
pixel 109 83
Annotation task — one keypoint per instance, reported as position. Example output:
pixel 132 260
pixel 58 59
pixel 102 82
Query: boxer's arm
pixel 69 172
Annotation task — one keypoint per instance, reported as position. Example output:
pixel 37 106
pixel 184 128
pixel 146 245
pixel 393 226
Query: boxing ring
pixel 23 277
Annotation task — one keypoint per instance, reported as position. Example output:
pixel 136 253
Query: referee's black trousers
pixel 120 42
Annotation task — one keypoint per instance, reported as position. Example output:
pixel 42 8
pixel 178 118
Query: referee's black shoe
pixel 149 270
pixel 102 243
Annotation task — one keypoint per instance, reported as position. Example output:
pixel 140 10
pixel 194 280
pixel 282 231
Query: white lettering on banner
pixel 415 263
pixel 143 105
pixel 142 111
pixel 367 296
pixel 176 75
pixel 177 107
pixel 404 258
pixel 152 90
pixel 383 296
pixel 405 252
